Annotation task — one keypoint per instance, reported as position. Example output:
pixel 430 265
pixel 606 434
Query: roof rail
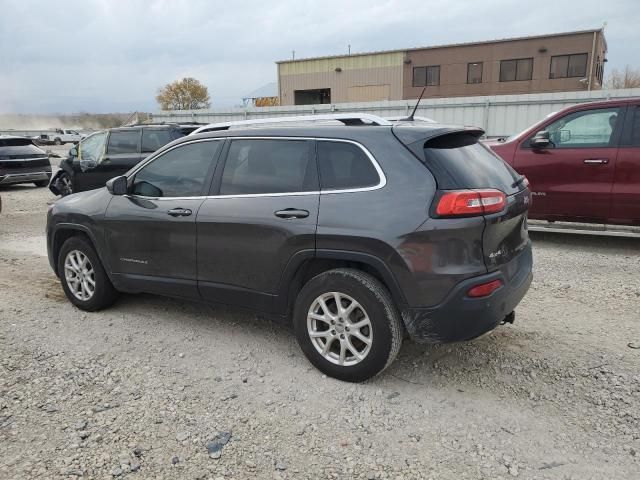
pixel 345 118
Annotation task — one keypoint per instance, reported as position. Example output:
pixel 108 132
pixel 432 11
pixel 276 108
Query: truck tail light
pixel 484 289
pixel 457 203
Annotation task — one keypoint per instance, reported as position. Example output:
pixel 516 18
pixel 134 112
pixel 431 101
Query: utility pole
pixel 293 54
pixel 349 47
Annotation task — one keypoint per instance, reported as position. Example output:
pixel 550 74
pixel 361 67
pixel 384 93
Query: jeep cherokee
pixel 357 234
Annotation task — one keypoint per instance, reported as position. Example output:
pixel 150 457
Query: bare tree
pixel 185 94
pixel 628 78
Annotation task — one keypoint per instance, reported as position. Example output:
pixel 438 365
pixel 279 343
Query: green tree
pixel 185 94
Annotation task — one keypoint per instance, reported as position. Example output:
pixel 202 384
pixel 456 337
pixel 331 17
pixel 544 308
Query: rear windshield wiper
pixel 521 179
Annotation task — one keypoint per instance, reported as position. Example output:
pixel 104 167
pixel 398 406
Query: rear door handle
pixel 291 213
pixel 596 161
pixel 179 212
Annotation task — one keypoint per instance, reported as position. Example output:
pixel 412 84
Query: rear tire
pixel 41 183
pixel 57 141
pixel 83 279
pixel 364 333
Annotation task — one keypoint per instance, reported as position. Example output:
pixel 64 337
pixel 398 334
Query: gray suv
pixel 359 235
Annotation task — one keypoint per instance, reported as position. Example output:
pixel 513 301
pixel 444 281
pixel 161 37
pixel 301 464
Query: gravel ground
pixel 161 388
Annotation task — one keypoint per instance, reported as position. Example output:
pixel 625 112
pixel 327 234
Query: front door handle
pixel 291 213
pixel 596 161
pixel 179 212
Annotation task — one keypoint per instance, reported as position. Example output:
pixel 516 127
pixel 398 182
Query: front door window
pixel 90 150
pixel 585 129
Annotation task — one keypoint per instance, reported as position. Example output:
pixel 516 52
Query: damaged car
pixel 109 153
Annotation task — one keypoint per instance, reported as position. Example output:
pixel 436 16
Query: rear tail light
pixel 466 203
pixel 484 289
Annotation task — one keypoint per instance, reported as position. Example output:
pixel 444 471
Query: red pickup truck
pixel 582 163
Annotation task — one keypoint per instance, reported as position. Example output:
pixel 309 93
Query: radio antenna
pixel 410 117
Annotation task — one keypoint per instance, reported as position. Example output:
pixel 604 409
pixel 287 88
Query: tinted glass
pixel 433 75
pixel 423 76
pixel 577 65
pixel 632 135
pixel 419 76
pixel 19 146
pixel 507 70
pixel 180 172
pixel 524 69
pixel 559 66
pixel 458 161
pixel 123 142
pixel 268 166
pixel 590 128
pixel 474 72
pixel 153 139
pixel 344 165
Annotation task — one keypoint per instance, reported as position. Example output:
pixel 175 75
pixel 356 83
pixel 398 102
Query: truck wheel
pixel 84 281
pixel 57 141
pixel 347 325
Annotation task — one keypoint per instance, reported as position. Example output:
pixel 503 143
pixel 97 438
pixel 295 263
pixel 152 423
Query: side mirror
pixel 117 185
pixel 540 141
pixel 73 152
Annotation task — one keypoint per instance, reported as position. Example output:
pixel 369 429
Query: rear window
pixel 344 166
pixel 123 142
pixel 19 146
pixel 458 161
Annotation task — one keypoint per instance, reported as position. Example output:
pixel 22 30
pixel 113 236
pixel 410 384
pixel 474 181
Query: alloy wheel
pixel 79 275
pixel 339 329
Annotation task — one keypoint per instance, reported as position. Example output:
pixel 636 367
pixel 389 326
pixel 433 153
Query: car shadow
pixel 425 366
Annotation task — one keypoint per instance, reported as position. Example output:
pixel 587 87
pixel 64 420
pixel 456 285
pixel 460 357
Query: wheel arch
pixel 306 265
pixel 65 231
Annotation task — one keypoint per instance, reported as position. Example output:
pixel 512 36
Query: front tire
pixel 84 281
pixel 347 325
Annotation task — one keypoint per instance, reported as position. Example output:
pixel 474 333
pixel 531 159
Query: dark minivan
pixel 107 154
pixel 356 234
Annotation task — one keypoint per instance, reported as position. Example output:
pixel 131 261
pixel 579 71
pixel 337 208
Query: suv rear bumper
pixel 24 177
pixel 459 317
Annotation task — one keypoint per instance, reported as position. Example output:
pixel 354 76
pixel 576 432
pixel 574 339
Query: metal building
pixel 559 62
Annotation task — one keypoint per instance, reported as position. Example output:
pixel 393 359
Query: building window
pixel 426 76
pixel 474 72
pixel 517 69
pixel 566 66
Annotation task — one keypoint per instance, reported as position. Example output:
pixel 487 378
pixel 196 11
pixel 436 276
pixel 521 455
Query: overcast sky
pixel 69 56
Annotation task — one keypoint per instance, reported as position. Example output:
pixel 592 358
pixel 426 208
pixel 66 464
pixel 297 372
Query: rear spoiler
pixel 416 139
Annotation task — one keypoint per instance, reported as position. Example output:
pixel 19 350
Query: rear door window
pixel 123 142
pixel 180 172
pixel 631 135
pixel 269 166
pixel 344 166
pixel 153 139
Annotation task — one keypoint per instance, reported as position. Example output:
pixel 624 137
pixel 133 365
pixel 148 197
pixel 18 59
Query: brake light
pixel 470 202
pixel 484 289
